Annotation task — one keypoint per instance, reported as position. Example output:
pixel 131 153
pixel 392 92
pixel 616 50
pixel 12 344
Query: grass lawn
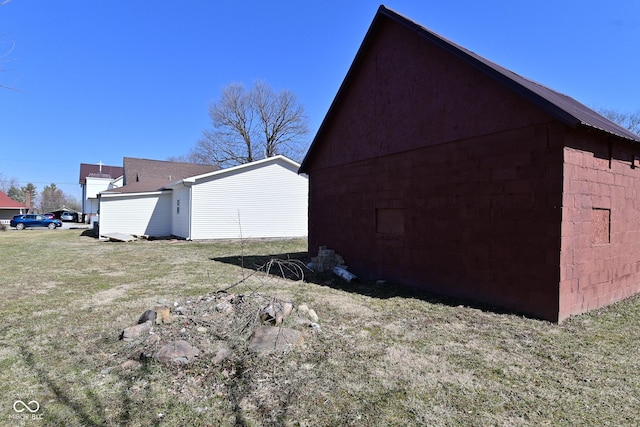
pixel 385 356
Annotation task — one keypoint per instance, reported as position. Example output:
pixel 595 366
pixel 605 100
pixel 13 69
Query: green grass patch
pixel 385 356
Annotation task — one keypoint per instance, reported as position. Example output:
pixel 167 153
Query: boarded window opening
pixel 390 222
pixel 601 226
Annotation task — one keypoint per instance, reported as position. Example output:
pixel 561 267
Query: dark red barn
pixel 437 168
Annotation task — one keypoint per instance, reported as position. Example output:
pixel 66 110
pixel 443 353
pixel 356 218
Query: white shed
pixel 142 206
pixel 139 214
pixel 266 198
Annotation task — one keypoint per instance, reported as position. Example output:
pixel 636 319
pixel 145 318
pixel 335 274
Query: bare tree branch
pixel 249 125
pixel 625 119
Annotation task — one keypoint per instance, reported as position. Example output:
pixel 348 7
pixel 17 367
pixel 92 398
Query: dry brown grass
pixel 385 356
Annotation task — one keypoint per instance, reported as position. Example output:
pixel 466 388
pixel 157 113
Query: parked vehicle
pixel 34 220
pixel 49 215
pixel 69 216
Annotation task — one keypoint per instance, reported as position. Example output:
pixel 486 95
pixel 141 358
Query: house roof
pixel 144 175
pixel 242 168
pixel 564 108
pixel 7 202
pixel 99 171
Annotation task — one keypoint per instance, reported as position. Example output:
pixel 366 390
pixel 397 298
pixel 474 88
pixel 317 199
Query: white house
pixel 142 206
pixel 95 179
pixel 266 198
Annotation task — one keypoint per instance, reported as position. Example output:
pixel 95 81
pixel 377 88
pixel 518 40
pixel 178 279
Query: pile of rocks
pixel 216 325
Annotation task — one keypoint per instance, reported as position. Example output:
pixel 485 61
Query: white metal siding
pixel 146 214
pixel 96 185
pixel 180 222
pixel 93 186
pixel 269 200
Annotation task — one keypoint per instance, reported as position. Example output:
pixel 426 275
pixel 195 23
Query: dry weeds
pixel 385 356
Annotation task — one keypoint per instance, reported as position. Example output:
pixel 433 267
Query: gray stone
pixel 269 339
pixel 181 311
pixel 274 314
pixel 312 315
pixel 180 352
pixel 268 315
pixel 287 309
pixel 224 307
pixel 149 315
pixel 222 354
pixel 133 332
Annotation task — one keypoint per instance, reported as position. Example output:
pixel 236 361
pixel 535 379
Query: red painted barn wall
pixel 432 174
pixel 600 258
pixel 408 93
pixel 468 224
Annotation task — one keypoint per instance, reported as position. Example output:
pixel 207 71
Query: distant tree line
pixel 625 119
pixel 51 197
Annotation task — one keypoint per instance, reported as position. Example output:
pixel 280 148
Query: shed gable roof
pixel 564 108
pixel 245 167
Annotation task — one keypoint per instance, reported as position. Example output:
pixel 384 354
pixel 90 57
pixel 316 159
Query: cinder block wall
pixel 477 218
pixel 600 258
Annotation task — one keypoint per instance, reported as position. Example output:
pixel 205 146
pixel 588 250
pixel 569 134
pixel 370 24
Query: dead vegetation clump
pixel 253 349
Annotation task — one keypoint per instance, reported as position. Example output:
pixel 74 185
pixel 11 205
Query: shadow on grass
pixel 370 288
pixel 89 409
pixel 90 232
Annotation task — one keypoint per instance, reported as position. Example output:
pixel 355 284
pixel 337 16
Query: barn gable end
pixel 438 169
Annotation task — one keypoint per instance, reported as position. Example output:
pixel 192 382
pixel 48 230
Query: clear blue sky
pixel 99 81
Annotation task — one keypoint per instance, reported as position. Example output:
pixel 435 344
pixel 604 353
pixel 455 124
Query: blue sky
pixel 98 81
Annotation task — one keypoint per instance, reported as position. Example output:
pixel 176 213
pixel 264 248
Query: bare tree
pixel 625 119
pixel 6 183
pixel 252 124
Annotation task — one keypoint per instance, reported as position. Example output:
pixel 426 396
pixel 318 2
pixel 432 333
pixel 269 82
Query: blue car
pixel 34 220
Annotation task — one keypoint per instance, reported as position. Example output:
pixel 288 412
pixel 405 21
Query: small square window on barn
pixel 601 226
pixel 390 222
